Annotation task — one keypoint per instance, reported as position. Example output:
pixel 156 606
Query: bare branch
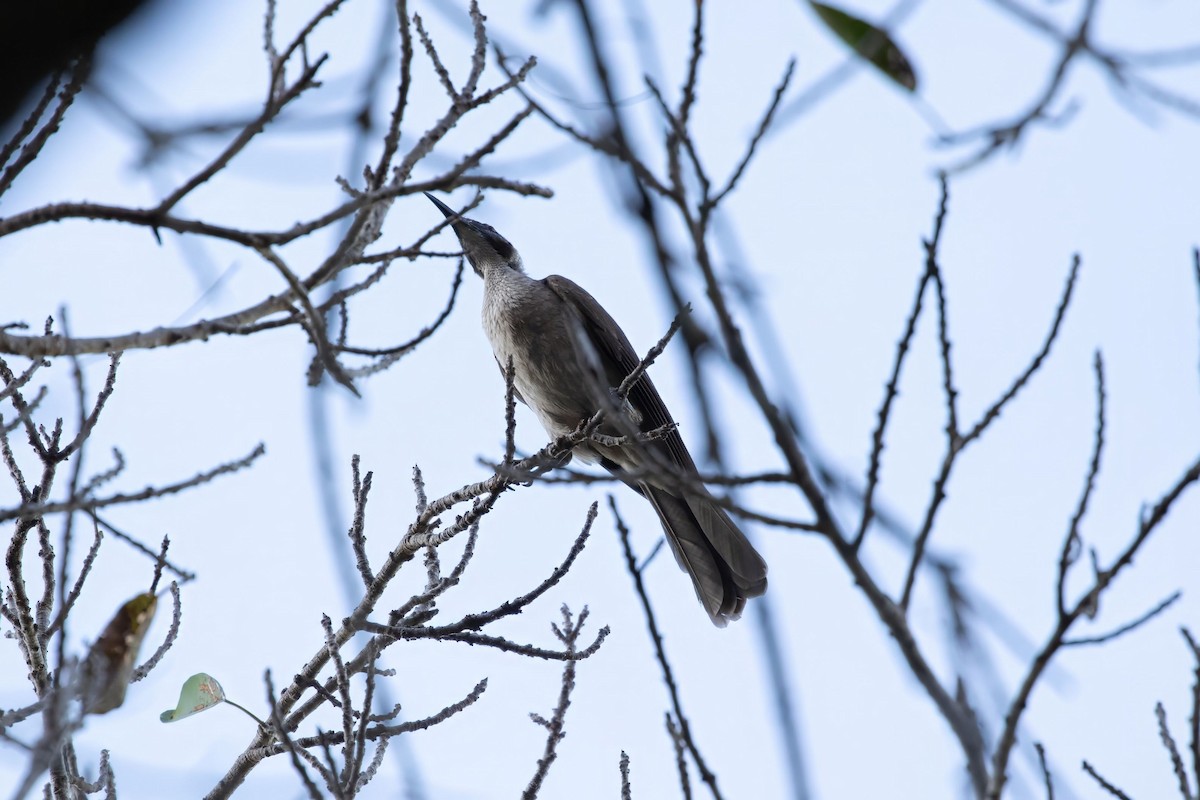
pixel 706 774
pixel 37 510
pixel 1046 779
pixel 182 574
pixel 680 745
pixel 508 608
pixel 1105 785
pixel 1164 733
pixel 358 527
pixel 763 127
pixel 568 634
pixel 79 72
pixel 1127 627
pixel 994 410
pixel 149 664
pixel 1073 543
pixel 1104 578
pixel 892 389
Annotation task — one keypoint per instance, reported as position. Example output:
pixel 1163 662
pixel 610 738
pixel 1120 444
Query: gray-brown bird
pixel 567 355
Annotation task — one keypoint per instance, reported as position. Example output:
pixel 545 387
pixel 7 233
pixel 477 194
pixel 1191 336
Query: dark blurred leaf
pixel 872 43
pixel 199 693
pixel 38 38
pixel 111 660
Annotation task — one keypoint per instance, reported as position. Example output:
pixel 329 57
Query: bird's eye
pixel 502 247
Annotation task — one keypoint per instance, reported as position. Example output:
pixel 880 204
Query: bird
pixel 567 355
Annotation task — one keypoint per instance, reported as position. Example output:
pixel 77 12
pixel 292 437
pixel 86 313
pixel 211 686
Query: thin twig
pixel 1164 734
pixel 1104 784
pixel 1073 542
pixel 1127 627
pixel 660 652
pixel 892 389
pixel 37 510
pixel 1046 779
pixel 568 634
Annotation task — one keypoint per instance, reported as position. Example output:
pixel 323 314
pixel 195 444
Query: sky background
pixel 829 222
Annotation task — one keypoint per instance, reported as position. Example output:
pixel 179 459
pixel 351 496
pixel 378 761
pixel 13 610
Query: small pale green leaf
pixel 872 43
pixel 111 660
pixel 199 693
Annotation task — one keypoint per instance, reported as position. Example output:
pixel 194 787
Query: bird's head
pixel 481 244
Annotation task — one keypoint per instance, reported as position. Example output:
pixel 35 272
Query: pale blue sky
pixel 830 219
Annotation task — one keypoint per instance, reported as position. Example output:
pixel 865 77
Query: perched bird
pixel 568 355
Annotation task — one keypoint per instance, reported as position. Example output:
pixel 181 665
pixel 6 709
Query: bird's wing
pixel 724 567
pixel 620 359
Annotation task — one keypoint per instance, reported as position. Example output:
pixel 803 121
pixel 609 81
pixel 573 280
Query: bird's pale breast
pixel 525 320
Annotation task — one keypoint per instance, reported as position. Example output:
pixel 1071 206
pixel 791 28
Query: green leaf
pixel 110 662
pixel 199 693
pixel 872 43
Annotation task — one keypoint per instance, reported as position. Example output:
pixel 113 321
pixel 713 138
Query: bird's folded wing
pixel 620 359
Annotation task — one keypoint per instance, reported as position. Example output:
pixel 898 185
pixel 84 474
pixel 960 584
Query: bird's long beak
pixel 458 223
pixel 445 209
pixel 464 231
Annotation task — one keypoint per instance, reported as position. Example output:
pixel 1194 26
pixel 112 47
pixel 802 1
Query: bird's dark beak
pixel 458 223
pixel 445 209
pixel 466 231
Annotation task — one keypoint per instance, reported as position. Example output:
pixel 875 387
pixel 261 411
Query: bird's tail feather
pixel 746 566
pixel 723 565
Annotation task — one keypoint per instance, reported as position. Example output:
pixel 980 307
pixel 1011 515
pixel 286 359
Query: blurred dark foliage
pixel 40 38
